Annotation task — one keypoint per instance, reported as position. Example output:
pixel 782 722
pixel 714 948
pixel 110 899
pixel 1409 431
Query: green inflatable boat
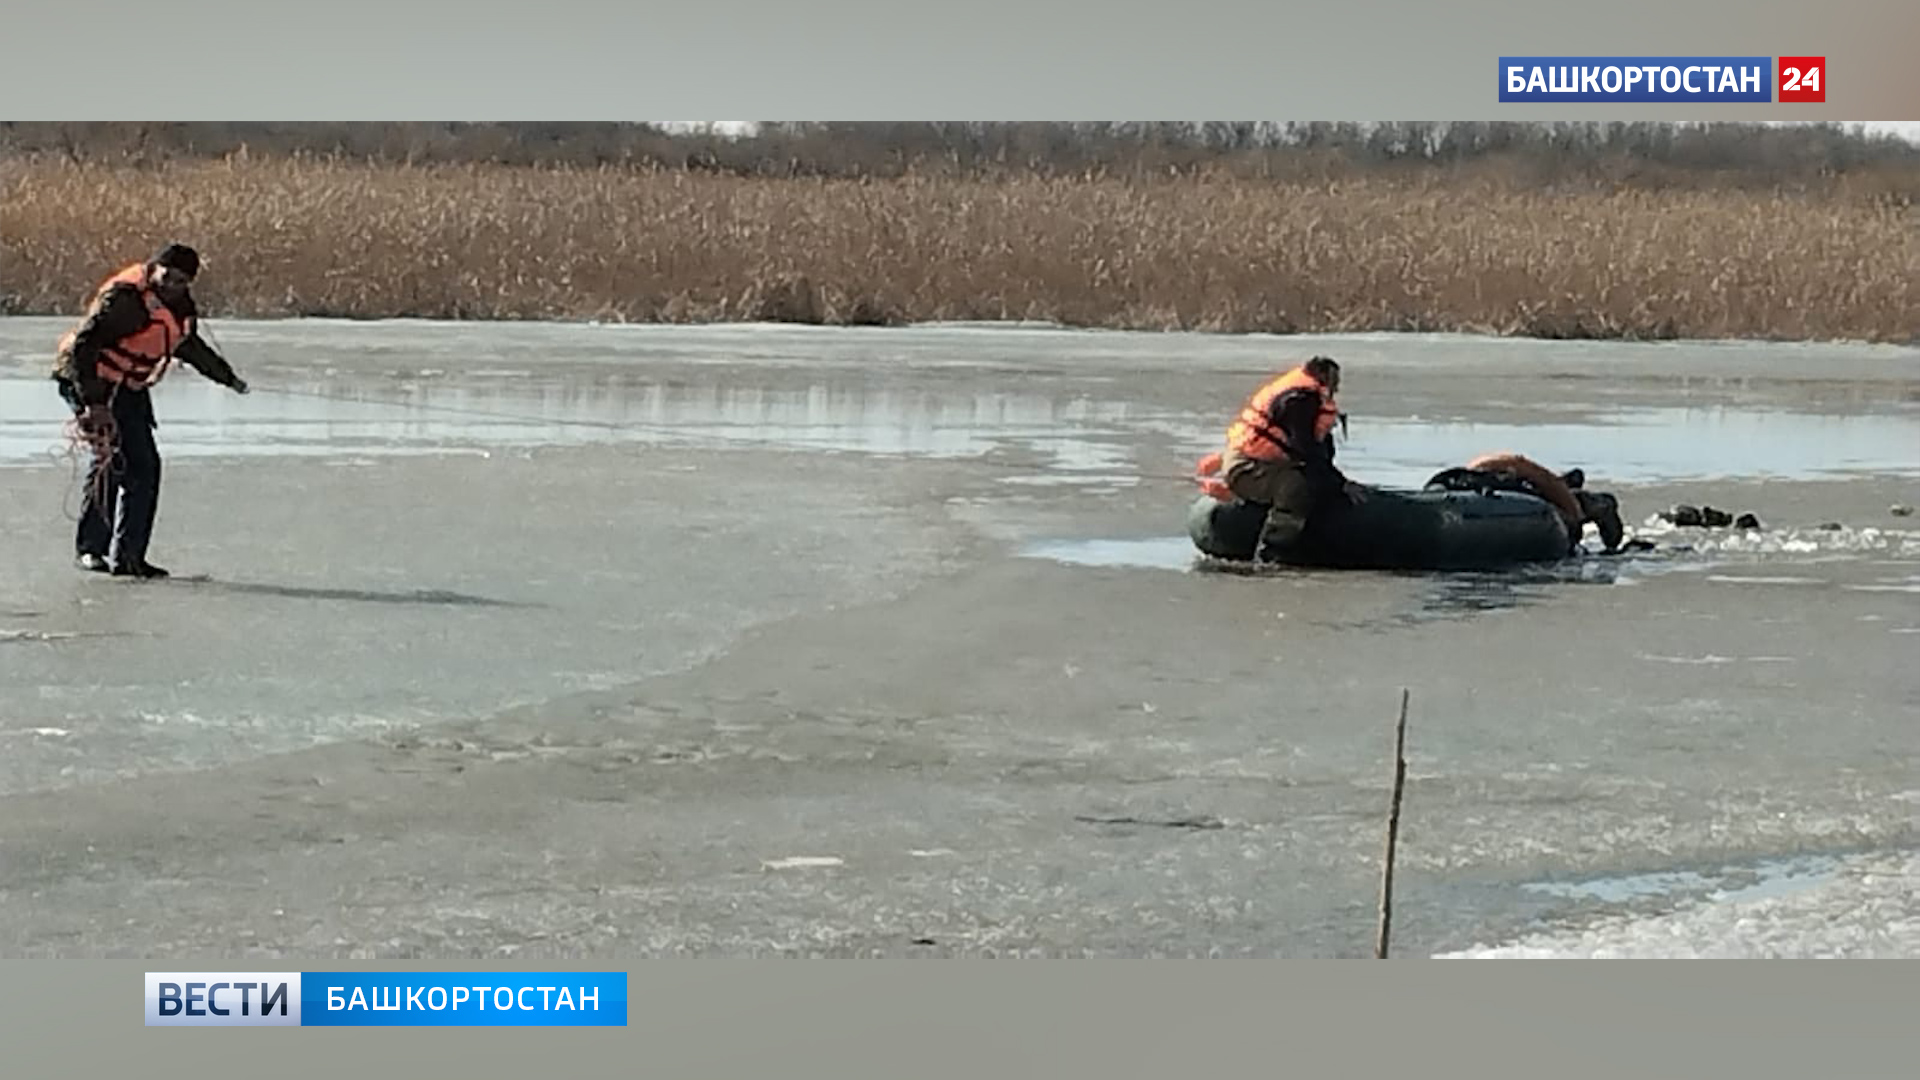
pixel 1431 529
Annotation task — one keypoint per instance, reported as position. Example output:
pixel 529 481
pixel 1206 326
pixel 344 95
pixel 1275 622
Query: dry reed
pixel 287 237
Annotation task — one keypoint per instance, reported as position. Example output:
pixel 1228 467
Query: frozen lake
pixel 530 638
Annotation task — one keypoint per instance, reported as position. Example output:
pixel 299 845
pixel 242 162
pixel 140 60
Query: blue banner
pixel 1637 79
pixel 386 999
pixel 463 998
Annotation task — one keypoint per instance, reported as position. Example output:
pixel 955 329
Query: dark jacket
pixel 1293 414
pixel 122 312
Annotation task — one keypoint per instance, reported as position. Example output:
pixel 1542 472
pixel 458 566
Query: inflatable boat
pixel 1432 529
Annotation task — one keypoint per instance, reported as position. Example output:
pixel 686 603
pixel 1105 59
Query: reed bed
pixel 289 237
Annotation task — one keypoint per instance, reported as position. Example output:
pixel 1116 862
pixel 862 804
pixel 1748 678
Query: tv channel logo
pixel 1636 79
pixel 1803 79
pixel 386 998
pixel 223 999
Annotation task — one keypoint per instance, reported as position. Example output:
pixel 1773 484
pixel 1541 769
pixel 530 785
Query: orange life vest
pixel 1551 487
pixel 140 359
pixel 1252 435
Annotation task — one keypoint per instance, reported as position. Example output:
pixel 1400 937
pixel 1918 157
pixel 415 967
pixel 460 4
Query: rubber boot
pixel 1281 530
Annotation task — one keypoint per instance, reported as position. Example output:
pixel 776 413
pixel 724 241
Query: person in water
pixel 1567 492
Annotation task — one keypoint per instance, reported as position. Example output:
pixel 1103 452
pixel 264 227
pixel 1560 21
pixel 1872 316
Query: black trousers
pixel 119 527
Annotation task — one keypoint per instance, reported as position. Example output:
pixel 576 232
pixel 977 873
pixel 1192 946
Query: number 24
pixel 1794 78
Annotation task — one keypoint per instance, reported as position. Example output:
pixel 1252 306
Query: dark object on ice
pixel 1707 517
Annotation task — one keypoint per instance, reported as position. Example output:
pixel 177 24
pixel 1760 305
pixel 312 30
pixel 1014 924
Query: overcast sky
pixel 1908 128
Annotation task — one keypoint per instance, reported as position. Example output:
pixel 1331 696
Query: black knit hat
pixel 180 257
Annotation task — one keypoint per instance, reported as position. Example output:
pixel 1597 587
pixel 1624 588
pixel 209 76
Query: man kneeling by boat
pixel 1279 452
pixel 1566 491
